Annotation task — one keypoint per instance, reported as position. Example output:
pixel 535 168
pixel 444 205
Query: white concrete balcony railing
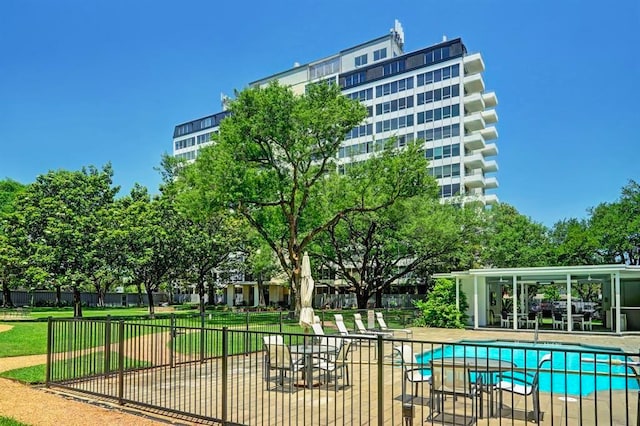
pixel 490 182
pixel 473 84
pixel 490 116
pixel 474 121
pixel 474 180
pixel 490 199
pixel 490 99
pixel 473 64
pixel 490 150
pixel 474 103
pixel 474 161
pixel 490 166
pixel 474 141
pixel 489 133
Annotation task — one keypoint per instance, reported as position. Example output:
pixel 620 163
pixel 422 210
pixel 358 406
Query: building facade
pixel 435 94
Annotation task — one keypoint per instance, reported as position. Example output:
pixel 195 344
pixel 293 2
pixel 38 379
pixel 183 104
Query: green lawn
pixel 25 338
pixel 43 313
pixel 7 421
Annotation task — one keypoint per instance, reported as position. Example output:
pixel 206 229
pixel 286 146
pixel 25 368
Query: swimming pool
pixel 572 370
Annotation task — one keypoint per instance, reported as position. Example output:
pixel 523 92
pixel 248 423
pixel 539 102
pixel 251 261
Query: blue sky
pixel 90 82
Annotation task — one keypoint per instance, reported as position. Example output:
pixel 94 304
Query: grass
pixel 25 338
pixel 8 421
pixel 81 366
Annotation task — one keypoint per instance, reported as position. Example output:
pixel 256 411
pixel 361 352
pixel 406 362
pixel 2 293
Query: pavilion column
pixel 256 295
pixel 569 311
pixel 514 297
pixel 231 292
pixel 457 293
pixel 475 302
pixel 617 290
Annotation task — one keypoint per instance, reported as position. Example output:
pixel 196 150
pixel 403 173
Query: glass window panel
pixel 455 130
pixel 429 96
pixel 437 114
pixel 455 90
pixel 455 70
pixel 446 92
pixel 437 94
pixel 420 79
pixel 455 110
pixel 455 150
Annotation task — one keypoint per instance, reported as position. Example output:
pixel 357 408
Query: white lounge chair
pixel 360 328
pixel 339 363
pixel 278 357
pixel 413 371
pixel 383 326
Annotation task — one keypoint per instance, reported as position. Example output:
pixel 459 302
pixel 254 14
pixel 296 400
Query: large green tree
pixel 574 243
pixel 61 213
pixel 617 227
pixel 11 263
pixel 273 160
pixel 513 240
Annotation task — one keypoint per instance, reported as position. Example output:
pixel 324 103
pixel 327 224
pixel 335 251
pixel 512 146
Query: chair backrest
pixel 342 328
pixel 381 322
pixel 450 377
pixel 587 316
pixel 557 316
pixel 357 318
pixel 279 356
pixel 343 353
pixel 316 319
pixel 273 339
pixel 317 329
pixel 532 315
pixel 406 355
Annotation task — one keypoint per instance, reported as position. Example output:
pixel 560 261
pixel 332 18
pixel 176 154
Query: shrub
pixel 439 307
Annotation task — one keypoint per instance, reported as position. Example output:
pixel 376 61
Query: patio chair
pixel 523 384
pixel 454 379
pixel 340 362
pixel 532 319
pixel 504 320
pixel 413 372
pixel 324 340
pixel 357 319
pixel 383 326
pixel 278 357
pixel 558 320
pixel 586 321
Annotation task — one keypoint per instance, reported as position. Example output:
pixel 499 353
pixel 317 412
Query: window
pixel 361 60
pixel 330 66
pixel 379 54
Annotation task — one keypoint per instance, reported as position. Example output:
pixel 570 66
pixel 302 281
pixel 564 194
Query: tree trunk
pixel 150 299
pixel 211 293
pixel 201 295
pixel 6 295
pixel 58 295
pixel 362 299
pixel 379 298
pixel 77 303
pixel 260 283
pixel 139 287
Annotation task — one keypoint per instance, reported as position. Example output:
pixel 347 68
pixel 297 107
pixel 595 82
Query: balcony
pixel 474 122
pixel 490 99
pixel 489 150
pixel 490 182
pixel 473 64
pixel 489 133
pixel 474 161
pixel 490 116
pixel 474 103
pixel 474 141
pixel 475 180
pixel 473 84
pixel 490 166
pixel 490 199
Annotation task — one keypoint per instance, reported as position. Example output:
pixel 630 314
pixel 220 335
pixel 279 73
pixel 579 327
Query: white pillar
pixel 612 299
pixel 514 298
pixel 256 295
pixel 617 290
pixel 457 293
pixel 569 312
pixel 231 295
pixel 475 302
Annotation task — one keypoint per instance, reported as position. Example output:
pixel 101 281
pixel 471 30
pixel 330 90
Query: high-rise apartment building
pixel 435 94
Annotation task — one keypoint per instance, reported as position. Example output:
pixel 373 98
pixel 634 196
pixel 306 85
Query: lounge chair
pixel 357 319
pixel 523 384
pixel 383 326
pixel 324 340
pixel 413 372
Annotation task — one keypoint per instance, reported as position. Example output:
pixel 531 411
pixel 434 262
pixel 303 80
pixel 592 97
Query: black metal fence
pixel 263 372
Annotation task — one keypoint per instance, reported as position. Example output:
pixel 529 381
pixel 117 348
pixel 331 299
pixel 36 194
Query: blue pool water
pixel 571 371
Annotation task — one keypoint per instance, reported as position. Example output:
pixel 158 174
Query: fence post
pixel 172 340
pixel 380 350
pixel 107 346
pixel 280 322
pixel 202 315
pixel 225 368
pixel 49 350
pixel 121 362
pixel 246 337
